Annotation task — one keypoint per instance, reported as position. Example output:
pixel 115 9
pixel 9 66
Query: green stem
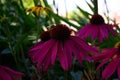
pixel 23 58
pixel 21 3
pixel 36 2
pixel 95 6
pixel 12 51
pixel 38 27
pixel 9 35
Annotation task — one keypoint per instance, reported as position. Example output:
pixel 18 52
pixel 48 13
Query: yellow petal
pixel 34 9
pixel 37 11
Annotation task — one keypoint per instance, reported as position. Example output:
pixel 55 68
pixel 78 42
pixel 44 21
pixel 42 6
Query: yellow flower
pixel 39 9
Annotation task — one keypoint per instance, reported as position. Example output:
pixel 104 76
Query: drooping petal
pixel 10 74
pixel 4 75
pixel 89 31
pixel 35 48
pixel 68 50
pixel 14 74
pixel 100 35
pixel 83 54
pixel 118 71
pixel 54 52
pixel 83 30
pixel 76 51
pixel 83 44
pixel 110 68
pixel 95 33
pixel 42 52
pixel 46 62
pixel 108 53
pixel 102 63
pixel 62 56
pixel 106 32
pixel 44 48
pixel 111 30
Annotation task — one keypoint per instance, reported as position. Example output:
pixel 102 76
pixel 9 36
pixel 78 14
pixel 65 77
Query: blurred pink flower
pixel 112 55
pixel 9 74
pixel 62 45
pixel 96 29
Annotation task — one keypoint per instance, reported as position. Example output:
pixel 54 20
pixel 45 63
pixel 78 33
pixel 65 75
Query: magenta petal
pixel 14 74
pixel 42 52
pixel 88 32
pixel 68 50
pixel 54 52
pixel 47 65
pixel 62 57
pixel 4 75
pixel 108 53
pixel 9 74
pixel 102 63
pixel 84 45
pixel 82 53
pixel 36 46
pixel 110 68
pixel 100 36
pixel 39 54
pixel 106 32
pixel 111 30
pixel 76 51
pixel 47 62
pixel 118 71
pixel 83 30
pixel 95 33
pixel 103 32
pixel 12 71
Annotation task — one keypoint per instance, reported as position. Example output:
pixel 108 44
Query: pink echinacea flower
pixel 61 45
pixel 96 29
pixel 112 55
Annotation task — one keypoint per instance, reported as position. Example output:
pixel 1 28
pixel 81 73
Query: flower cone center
pixel 60 32
pixel 97 19
pixel 45 36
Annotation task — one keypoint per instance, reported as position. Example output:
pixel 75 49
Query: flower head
pixel 96 29
pixel 9 74
pixel 61 45
pixel 39 9
pixel 112 55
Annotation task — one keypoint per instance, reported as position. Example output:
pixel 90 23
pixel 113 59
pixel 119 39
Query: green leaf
pixel 65 20
pixel 90 6
pixel 79 19
pixel 85 13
